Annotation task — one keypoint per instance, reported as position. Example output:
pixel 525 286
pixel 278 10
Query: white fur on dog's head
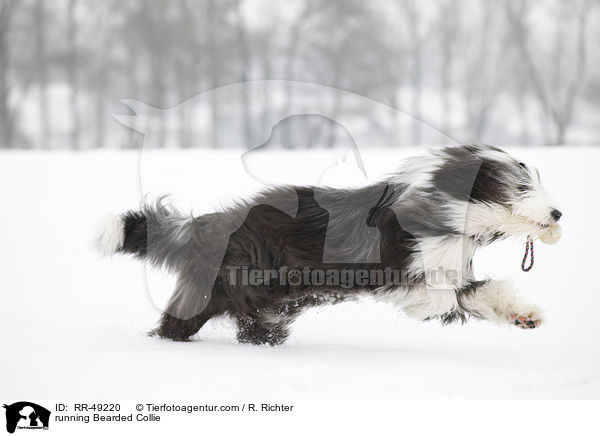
pixel 526 208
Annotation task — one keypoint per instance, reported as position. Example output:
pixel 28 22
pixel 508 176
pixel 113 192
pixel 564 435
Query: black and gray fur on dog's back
pixel 433 213
pixel 200 251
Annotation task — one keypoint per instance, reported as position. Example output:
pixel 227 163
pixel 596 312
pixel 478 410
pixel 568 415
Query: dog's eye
pixel 522 165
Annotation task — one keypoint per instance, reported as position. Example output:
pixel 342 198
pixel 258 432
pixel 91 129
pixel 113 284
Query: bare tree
pixel 296 31
pixel 521 94
pixel 72 72
pixel 185 67
pixel 413 24
pixel 214 68
pixel 485 71
pixel 244 69
pixel 134 57
pixel 448 33
pixel 265 53
pixel 41 62
pixel 557 97
pixel 6 115
pixel 346 49
pixel 481 65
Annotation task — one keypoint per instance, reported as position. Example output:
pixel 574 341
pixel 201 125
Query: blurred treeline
pixel 509 71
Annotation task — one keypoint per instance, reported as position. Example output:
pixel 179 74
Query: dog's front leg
pixel 499 302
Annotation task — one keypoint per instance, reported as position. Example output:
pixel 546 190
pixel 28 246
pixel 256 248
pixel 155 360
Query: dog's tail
pixel 157 233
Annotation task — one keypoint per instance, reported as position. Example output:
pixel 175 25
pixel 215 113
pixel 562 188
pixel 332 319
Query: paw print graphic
pixel 294 277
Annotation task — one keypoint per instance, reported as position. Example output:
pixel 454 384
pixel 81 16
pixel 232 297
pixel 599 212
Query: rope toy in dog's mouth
pixel 528 247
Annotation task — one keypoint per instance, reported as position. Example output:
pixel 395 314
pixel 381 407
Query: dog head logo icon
pixel 26 415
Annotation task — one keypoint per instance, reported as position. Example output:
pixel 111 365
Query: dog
pixel 408 239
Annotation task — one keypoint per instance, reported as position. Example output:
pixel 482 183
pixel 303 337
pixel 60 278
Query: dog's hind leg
pixel 188 310
pixel 499 302
pixel 178 329
pixel 260 330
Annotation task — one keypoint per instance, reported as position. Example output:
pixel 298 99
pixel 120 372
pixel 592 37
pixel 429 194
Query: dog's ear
pixel 458 173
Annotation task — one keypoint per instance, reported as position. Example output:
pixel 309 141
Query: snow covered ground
pixel 78 321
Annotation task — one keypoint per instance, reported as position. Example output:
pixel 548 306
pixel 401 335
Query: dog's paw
pixel 552 235
pixel 527 320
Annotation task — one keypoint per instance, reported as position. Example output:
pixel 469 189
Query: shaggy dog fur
pixel 429 217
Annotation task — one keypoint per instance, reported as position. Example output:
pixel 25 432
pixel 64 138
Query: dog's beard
pixel 521 227
pixel 488 223
pixel 552 234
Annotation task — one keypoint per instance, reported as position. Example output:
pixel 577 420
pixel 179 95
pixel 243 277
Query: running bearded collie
pixel 409 239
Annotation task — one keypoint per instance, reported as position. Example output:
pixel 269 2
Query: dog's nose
pixel 556 214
